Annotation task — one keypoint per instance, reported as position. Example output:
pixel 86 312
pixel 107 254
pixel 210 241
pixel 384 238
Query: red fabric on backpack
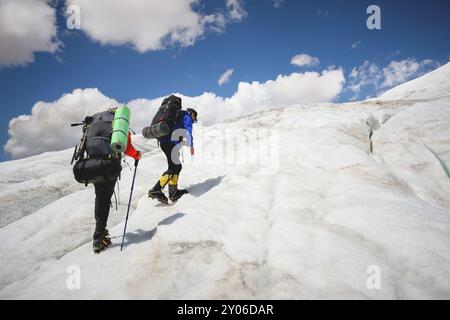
pixel 131 151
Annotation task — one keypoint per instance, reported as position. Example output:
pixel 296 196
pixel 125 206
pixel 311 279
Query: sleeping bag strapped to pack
pixel 101 164
pixel 165 118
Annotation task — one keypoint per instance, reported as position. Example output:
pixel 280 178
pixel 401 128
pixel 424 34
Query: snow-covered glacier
pixel 318 201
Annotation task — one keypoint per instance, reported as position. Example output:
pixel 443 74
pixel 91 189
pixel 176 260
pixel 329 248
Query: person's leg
pixel 175 169
pixel 156 191
pixel 103 194
pixel 172 168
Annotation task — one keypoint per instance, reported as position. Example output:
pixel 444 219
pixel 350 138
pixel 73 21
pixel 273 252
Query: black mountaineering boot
pixel 101 241
pixel 175 194
pixel 156 193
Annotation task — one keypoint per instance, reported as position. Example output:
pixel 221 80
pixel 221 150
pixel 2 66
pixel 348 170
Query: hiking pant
pixel 173 169
pixel 170 176
pixel 103 194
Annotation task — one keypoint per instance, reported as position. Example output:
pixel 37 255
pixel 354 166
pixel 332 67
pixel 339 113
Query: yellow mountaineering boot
pixel 156 192
pixel 174 192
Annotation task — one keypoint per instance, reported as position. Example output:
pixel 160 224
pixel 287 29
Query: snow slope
pixel 317 195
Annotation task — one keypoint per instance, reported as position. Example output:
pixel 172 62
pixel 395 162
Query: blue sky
pixel 259 47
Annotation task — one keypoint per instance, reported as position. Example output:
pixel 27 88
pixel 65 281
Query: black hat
pixel 193 113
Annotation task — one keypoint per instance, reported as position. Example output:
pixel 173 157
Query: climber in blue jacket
pixel 182 130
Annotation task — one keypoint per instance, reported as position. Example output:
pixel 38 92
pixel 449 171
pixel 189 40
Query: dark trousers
pixel 173 169
pixel 103 194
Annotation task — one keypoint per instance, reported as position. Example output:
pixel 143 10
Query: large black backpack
pixel 168 112
pixel 164 119
pixel 98 140
pixel 96 161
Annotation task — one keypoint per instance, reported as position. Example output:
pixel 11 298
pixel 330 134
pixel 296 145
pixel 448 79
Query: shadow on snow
pixel 199 189
pixel 140 235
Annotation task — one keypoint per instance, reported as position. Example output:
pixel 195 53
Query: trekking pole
pixel 118 192
pixel 129 202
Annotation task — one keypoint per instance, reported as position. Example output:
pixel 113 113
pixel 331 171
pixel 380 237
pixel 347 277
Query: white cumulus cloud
pixel 47 128
pixel 398 72
pixel 49 122
pixel 366 74
pixel 305 60
pixel 225 77
pixel 26 27
pixel 149 25
pixel 377 79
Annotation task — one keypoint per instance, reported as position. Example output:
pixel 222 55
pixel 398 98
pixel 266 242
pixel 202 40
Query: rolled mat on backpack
pixel 156 130
pixel 164 119
pixel 119 139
